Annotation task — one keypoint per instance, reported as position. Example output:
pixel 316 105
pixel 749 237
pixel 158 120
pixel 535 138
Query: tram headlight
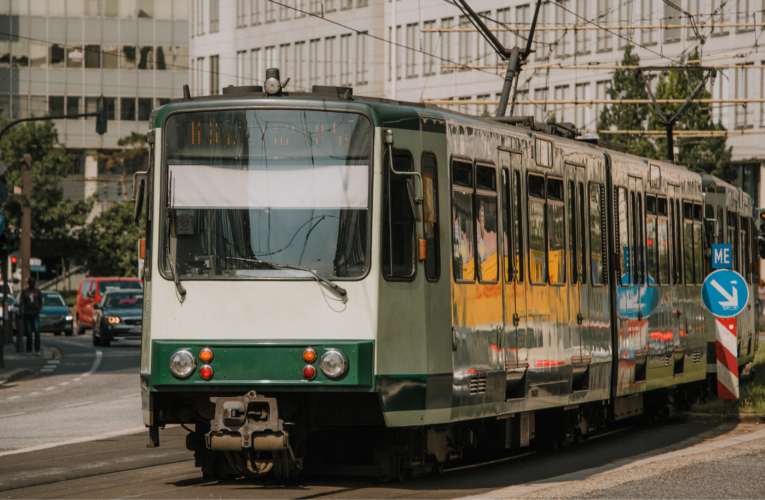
pixel 182 364
pixel 333 364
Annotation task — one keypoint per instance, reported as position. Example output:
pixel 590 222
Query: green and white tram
pixel 369 286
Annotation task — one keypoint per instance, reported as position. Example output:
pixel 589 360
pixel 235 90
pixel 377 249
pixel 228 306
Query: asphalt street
pixel 94 392
pixel 88 391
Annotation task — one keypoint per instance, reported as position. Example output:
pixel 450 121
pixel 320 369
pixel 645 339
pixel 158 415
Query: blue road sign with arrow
pixel 725 293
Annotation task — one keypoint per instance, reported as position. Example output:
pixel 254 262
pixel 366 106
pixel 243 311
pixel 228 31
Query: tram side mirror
pixel 761 246
pixel 139 189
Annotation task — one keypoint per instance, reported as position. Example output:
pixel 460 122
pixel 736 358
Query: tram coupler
pixel 250 422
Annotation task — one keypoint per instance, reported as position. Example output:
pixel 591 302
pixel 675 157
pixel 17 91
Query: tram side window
pixel 556 258
pixel 581 249
pixel 431 227
pixel 398 255
pixel 688 242
pixel 462 220
pixel 698 249
pixel 678 245
pixel 536 209
pixel 640 242
pixel 732 237
pixel 662 243
pixel 651 240
pixel 517 220
pixel 623 241
pixel 747 250
pixel 486 224
pixel 596 235
pixel 572 232
pixel 720 226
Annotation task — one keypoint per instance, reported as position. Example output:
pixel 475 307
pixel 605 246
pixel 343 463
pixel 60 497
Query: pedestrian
pixel 31 305
pixel 761 293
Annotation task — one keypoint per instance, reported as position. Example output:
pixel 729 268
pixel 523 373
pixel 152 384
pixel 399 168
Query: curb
pixel 741 418
pixel 15 374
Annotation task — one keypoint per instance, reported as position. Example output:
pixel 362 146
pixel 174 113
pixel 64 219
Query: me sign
pixel 722 256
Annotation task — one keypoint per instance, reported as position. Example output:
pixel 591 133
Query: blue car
pixel 55 317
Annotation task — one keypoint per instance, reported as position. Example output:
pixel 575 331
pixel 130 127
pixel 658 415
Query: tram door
pixel 638 312
pixel 514 345
pixel 676 279
pixel 580 351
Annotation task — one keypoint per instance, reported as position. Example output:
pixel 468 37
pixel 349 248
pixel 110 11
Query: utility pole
pixel 26 229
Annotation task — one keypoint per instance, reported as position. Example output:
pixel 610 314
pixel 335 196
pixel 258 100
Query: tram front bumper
pixel 248 422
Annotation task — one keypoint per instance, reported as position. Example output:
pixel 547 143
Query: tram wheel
pixel 249 467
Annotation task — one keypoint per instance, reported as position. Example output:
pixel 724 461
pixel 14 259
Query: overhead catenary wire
pixel 582 27
pixel 587 102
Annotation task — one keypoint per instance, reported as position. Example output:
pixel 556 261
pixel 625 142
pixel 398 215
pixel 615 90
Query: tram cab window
pixel 662 242
pixel 597 241
pixel 431 229
pixel 462 221
pixel 537 237
pixel 486 224
pixel 398 255
pixel 688 242
pixel 651 240
pixel 556 260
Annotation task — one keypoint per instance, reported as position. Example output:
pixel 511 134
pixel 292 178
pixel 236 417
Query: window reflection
pixel 462 218
pixel 486 238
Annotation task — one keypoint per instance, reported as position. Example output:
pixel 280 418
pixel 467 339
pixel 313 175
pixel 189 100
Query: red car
pixel 91 292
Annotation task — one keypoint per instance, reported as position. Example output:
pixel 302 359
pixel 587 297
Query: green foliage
pixel 54 221
pixel 110 242
pixel 708 154
pixel 485 113
pixel 751 394
pixel 625 85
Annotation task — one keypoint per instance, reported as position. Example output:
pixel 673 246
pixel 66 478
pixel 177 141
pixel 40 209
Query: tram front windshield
pixel 285 186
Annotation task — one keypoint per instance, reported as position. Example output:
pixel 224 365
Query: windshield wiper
pixel 274 265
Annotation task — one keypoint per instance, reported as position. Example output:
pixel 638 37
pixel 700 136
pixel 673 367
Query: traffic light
pixel 761 237
pixel 4 247
pixel 14 261
pixel 101 117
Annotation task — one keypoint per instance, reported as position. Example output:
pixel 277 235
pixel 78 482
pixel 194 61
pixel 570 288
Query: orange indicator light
pixel 309 355
pixel 206 355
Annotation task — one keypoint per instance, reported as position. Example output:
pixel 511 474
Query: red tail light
pixel 206 372
pixel 309 372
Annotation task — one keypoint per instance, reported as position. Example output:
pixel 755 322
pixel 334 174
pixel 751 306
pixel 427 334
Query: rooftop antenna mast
pixel 514 57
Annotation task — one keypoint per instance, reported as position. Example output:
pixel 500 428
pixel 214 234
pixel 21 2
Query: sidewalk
pixel 19 365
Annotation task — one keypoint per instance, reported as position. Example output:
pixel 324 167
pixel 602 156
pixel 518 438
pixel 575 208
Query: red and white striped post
pixel 727 358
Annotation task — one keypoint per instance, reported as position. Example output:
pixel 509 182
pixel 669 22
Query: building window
pixel 127 109
pixel 562 20
pixel 542 38
pixel 604 16
pixel 315 6
pixel 313 62
pixel 721 90
pixel 345 60
pixel 256 74
pixel 600 94
pixel 241 15
pixel 284 61
pixel 147 58
pixel 540 95
pixel 240 58
pixel 270 57
pixel 411 43
pixel 464 42
pixel 111 107
pixel 270 11
pixel 446 44
pixel 719 16
pixel 329 63
pixel 522 108
pixel 648 35
pixel 56 105
pixel 284 12
pixel 73 105
pixel 483 49
pixel 214 77
pixel 395 46
pixel 522 19
pixel 672 16
pixel 582 37
pixel 346 4
pixel 745 14
pixel 482 109
pixel 199 84
pixel 299 61
pixel 694 9
pixel 561 94
pixel 255 11
pixel 744 90
pixel 361 58
pixel 362 3
pixel 214 16
pixel 582 112
pixel 625 19
pixel 198 11
pixel 144 108
pixel 91 106
pixel 503 21
pixel 429 61
pixel 330 5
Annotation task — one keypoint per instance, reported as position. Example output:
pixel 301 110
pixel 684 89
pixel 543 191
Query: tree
pixel 116 161
pixel 54 221
pixel 708 154
pixel 110 242
pixel 625 85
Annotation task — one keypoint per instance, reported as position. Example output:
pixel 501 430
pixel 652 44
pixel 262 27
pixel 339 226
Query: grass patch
pixel 751 394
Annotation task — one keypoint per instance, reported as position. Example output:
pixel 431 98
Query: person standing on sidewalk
pixel 31 305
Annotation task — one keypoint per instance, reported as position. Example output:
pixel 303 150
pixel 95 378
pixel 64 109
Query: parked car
pixel 55 316
pixel 91 292
pixel 118 316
